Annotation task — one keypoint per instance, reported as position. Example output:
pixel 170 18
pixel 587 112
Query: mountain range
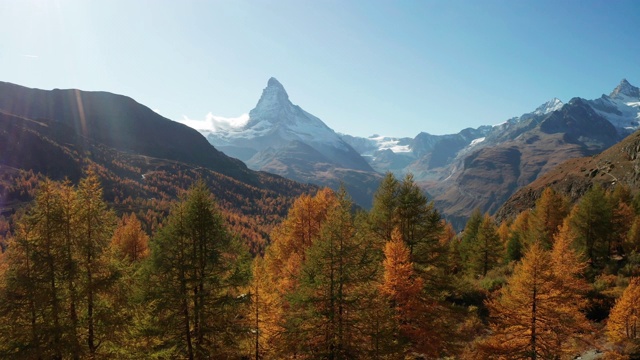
pixel 145 162
pixel 143 159
pixel 475 168
pixel 140 153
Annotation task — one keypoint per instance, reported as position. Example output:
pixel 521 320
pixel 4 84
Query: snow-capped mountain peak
pixel 550 106
pixel 625 89
pixel 275 114
pixel 621 107
pixel 274 99
pixel 276 127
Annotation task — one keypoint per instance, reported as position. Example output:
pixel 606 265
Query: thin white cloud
pixel 29 56
pixel 215 123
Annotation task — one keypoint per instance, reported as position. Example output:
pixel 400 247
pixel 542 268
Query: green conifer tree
pixel 385 204
pixel 329 307
pixel 591 223
pixel 486 250
pixel 197 272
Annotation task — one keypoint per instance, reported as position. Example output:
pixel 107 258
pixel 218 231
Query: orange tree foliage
pixel 260 317
pixel 504 232
pixel 130 240
pixel 284 258
pixel 546 218
pixel 147 186
pixel 95 227
pixel 59 277
pixel 294 236
pixel 537 314
pixel 448 233
pixel 403 289
pixel 329 308
pixel 623 326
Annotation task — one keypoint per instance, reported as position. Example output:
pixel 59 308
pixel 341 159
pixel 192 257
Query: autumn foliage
pixel 176 278
pixel 130 240
pixel 623 326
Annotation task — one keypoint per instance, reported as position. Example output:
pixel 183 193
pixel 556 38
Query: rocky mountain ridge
pixel 482 167
pixel 475 168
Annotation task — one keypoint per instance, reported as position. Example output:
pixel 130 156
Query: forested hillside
pixel 144 161
pixel 77 281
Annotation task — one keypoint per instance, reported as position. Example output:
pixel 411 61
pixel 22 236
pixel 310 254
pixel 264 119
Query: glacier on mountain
pixel 621 107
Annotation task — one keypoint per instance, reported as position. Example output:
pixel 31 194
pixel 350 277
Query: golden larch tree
pixel 532 317
pixel 417 330
pixel 129 240
pixel 623 326
pixel 329 307
pixel 546 218
pixel 285 256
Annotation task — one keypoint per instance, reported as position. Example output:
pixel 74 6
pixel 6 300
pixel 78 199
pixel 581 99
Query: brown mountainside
pixel 117 122
pixel 487 177
pixel 140 173
pixel 618 165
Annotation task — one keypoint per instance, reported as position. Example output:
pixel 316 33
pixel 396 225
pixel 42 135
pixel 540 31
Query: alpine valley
pixel 475 168
pixel 56 133
pixel 143 160
pixel 174 277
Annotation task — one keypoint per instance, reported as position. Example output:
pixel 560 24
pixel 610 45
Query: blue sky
pixel 362 66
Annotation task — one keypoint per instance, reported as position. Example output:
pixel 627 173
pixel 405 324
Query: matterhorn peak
pixel 274 93
pixel 273 100
pixel 273 82
pixel 626 89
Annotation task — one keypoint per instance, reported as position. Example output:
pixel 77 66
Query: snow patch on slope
pixel 546 108
pixel 550 106
pixel 477 141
